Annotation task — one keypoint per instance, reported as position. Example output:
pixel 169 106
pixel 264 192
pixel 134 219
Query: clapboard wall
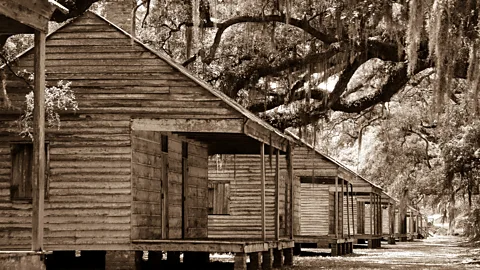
pixel 385 220
pixel 315 211
pixel 317 217
pixel 352 221
pixel 89 200
pixel 243 217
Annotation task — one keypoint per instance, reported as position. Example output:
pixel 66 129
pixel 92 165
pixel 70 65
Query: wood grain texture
pixel 243 174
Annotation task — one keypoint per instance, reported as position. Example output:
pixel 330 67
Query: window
pixel 219 198
pixel 22 171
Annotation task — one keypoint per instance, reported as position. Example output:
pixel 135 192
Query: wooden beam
pixel 292 186
pixel 371 213
pixel 348 212
pixel 38 186
pixel 34 13
pixel 264 135
pixel 336 207
pixel 189 125
pixel 353 208
pixel 277 195
pixel 262 194
pixel 341 207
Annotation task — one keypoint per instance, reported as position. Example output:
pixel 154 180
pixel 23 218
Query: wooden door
pixel 149 175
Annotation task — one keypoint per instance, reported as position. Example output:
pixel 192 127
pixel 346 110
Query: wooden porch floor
pixel 211 245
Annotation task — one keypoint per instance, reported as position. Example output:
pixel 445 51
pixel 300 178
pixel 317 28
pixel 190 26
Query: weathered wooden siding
pixel 242 172
pixel 385 220
pixel 353 217
pixel 368 217
pixel 88 200
pixel 315 208
pixel 306 162
pixel 148 166
pixel 317 216
pixel 196 187
pixel 90 194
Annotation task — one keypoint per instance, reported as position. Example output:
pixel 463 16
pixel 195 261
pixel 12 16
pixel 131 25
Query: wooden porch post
pixel 292 184
pixel 371 213
pixel 277 195
pixel 262 194
pixel 38 186
pixel 380 214
pixel 336 205
pixel 341 208
pixel 348 212
pixel 353 209
pixel 39 142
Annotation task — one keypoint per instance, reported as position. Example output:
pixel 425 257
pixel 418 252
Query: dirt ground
pixel 438 252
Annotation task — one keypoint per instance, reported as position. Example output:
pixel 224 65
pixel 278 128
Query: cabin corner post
pixel 262 194
pixel 353 209
pixel 348 211
pixel 341 207
pixel 371 214
pixel 291 180
pixel 336 205
pixel 38 187
pixel 277 195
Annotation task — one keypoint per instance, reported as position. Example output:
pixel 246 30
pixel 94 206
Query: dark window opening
pixel 22 171
pixel 164 141
pixel 184 150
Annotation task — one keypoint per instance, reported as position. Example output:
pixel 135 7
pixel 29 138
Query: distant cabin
pixel 367 212
pixel 128 172
pixel 323 201
pixel 388 218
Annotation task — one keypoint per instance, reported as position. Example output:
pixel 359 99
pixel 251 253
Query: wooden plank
pixel 38 186
pixel 277 195
pixel 336 207
pixel 262 193
pixel 27 13
pixel 189 125
pixel 290 182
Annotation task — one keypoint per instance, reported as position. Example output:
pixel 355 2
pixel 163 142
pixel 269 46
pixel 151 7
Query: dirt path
pixel 438 252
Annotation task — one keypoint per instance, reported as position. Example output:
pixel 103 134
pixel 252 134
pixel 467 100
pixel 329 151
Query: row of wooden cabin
pixel 156 160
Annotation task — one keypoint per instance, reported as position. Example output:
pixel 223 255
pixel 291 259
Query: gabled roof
pixel 252 119
pixel 340 165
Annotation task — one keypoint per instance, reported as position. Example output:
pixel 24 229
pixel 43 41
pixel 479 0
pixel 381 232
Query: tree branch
pixel 302 24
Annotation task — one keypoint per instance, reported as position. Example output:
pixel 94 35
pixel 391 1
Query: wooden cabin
pixel 388 217
pixel 323 201
pixel 367 212
pixel 128 171
pixel 31 17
